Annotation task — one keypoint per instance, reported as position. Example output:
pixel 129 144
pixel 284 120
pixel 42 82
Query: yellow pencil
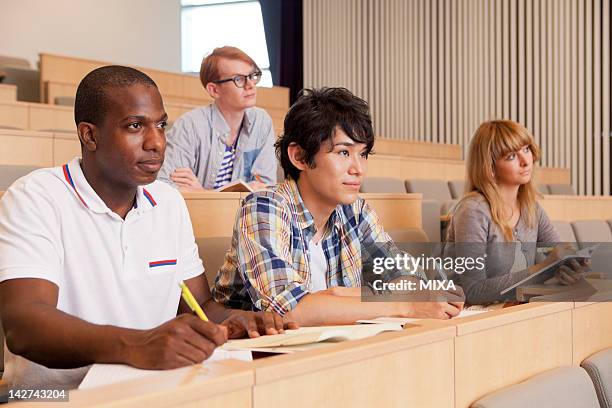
pixel 191 301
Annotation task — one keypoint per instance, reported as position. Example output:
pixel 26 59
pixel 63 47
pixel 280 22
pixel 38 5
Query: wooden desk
pixel 14 115
pixel 506 346
pixel 37 148
pixel 572 208
pixel 59 76
pixel 591 289
pixel 66 146
pixel 591 329
pixel 380 165
pixel 430 364
pixel 213 214
pixel 217 385
pixel 413 148
pixel 51 117
pixel 30 148
pixel 8 93
pixel 413 368
pixel 37 116
pixel 396 211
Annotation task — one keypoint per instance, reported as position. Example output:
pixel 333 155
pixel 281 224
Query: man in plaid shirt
pixel 298 249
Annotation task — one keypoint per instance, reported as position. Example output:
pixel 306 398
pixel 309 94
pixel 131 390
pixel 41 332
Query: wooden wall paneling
pixel 582 62
pixel 588 84
pixel 595 170
pixel 537 77
pixel 606 106
pixel 529 66
pixel 521 62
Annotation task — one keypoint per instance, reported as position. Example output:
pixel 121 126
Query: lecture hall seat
pixel 561 189
pixel 382 185
pixel 10 173
pixel 64 100
pixel 565 231
pixel 430 209
pixel 543 188
pixel 565 387
pixel 456 188
pixel 592 231
pixel 17 71
pixel 432 190
pixel 599 368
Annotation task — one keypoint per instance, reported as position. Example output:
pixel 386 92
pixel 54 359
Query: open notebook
pixel 309 335
pixel 236 186
pixel 104 374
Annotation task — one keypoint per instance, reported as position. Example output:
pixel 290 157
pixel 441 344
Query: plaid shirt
pixel 267 267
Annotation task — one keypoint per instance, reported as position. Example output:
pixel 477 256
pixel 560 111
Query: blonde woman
pixel 499 215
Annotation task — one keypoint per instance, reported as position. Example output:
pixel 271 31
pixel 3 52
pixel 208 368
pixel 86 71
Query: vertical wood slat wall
pixel 433 70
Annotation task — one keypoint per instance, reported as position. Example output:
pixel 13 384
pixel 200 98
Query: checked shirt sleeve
pixel 264 255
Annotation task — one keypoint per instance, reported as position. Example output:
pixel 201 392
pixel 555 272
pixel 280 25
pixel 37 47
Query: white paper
pixel 315 334
pixel 407 320
pixel 104 374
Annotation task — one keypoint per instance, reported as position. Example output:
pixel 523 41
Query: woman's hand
pixel 573 271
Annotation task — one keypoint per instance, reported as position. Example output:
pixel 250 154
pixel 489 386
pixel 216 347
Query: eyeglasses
pixel 241 80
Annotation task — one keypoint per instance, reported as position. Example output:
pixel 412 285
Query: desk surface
pixel 431 363
pixel 218 384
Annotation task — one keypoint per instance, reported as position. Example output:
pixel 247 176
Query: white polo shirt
pixel 125 273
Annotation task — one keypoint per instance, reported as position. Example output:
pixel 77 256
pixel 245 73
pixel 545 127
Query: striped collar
pixel 72 175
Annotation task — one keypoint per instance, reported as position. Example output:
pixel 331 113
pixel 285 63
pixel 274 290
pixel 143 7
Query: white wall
pixel 144 33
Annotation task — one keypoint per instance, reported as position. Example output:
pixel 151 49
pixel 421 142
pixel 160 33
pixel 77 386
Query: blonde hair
pixel 492 141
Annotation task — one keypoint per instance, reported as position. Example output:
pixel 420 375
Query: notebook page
pixel 105 374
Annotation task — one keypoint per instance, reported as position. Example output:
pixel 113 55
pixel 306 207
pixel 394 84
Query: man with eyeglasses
pixel 227 140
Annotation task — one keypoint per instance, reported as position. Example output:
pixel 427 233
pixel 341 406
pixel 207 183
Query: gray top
pixel 472 233
pixel 198 138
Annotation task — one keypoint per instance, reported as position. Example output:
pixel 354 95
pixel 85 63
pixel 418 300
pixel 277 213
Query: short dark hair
pixel 91 102
pixel 313 119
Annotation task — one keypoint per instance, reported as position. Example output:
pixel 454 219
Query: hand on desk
pixel 241 323
pixel 185 179
pixel 435 310
pixel 182 341
pixel 434 304
pixel 443 304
